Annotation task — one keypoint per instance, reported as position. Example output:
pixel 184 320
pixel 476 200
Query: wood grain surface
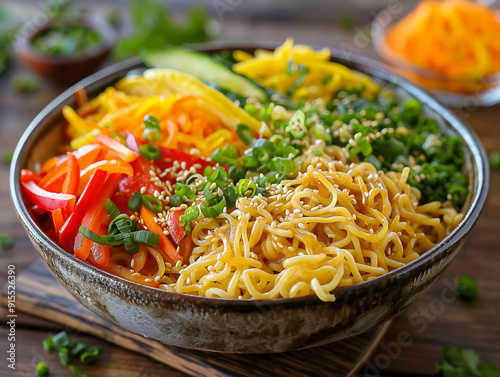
pixel 415 340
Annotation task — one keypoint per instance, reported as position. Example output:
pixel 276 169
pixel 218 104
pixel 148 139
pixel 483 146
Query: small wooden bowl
pixel 64 69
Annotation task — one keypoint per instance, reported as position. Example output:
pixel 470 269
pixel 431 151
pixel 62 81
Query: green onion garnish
pixel 111 209
pixel 184 192
pixel 77 371
pixel 245 133
pixel 91 354
pixel 152 203
pixel 76 347
pixel 64 356
pixel 6 241
pixel 244 185
pixel 48 344
pixel 150 152
pixel 467 288
pixel 213 207
pixel 61 340
pixel 495 160
pixel 151 134
pixel 135 201
pixel 146 238
pixel 318 152
pixel 225 155
pixel 151 122
pixel 297 125
pixel 283 165
pixel 42 369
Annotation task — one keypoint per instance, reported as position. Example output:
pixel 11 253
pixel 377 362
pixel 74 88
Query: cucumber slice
pixel 204 68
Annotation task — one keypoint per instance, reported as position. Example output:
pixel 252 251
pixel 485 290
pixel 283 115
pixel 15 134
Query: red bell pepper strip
pixel 54 179
pixel 70 184
pixel 175 229
pixel 28 175
pixel 57 219
pixel 125 273
pixel 99 255
pixel 113 166
pixel 94 218
pixel 166 248
pixel 70 228
pixel 46 200
pixel 121 150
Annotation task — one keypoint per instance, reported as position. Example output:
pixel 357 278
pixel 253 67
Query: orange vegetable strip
pixel 167 250
pixel 57 219
pixel 123 272
pixel 140 258
pixel 113 166
pixel 50 164
pixel 85 155
pixel 125 154
pixel 81 96
pixel 70 185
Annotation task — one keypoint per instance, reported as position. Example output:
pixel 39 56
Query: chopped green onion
pixel 467 288
pixel 42 369
pixel 283 165
pixel 111 209
pixel 151 134
pixel 297 125
pixel 250 109
pixel 150 152
pixel 122 222
pixel 318 152
pixel 412 110
pixel 48 344
pixel 245 133
pixel 6 241
pixel 250 161
pixel 116 134
pixel 64 356
pixel 135 201
pixel 192 178
pixel 77 371
pixel 235 172
pixel 321 133
pixel 277 140
pixel 184 192
pixel 191 213
pixel 286 151
pixel 146 238
pixel 152 203
pixel 246 184
pixel 175 200
pixel 225 155
pixel 61 340
pixel 495 160
pixel 151 122
pixel 94 237
pixel 212 208
pixel 77 347
pixel 91 355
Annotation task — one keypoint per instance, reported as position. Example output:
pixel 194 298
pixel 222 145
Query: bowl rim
pixel 23 43
pixel 112 73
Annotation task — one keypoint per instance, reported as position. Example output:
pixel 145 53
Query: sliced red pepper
pixel 113 166
pixel 93 217
pixel 167 250
pixel 54 179
pixel 175 229
pixel 125 273
pixel 28 175
pixel 70 184
pixel 140 179
pixel 49 201
pixel 99 255
pixel 125 153
pixel 70 228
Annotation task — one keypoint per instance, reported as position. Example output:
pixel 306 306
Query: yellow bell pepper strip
pixel 111 166
pixel 121 150
pixel 209 98
pixel 70 185
pixel 166 248
pixel 69 230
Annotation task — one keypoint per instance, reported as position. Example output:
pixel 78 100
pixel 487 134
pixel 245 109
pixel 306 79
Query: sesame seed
pixel 136 274
pixel 302 226
pixel 143 190
pixel 157 279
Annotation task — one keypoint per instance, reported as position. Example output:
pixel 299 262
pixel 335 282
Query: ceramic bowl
pixel 64 69
pixel 245 326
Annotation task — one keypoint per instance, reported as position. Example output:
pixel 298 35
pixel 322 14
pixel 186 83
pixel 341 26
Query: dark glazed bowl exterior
pixel 246 326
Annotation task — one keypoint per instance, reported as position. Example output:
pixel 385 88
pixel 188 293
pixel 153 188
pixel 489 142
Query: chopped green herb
pixel 465 363
pixel 135 201
pixel 61 340
pixel 42 369
pixel 495 160
pixel 48 345
pixel 318 152
pixel 6 241
pixel 150 152
pixel 64 356
pixel 467 288
pixel 152 203
pixel 91 355
pixel 24 83
pixel 7 157
pixel 77 371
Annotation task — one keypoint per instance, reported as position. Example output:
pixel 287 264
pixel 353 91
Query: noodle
pixel 343 224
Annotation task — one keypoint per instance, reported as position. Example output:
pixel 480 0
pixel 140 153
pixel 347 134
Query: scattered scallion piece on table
pixel 24 83
pixel 6 241
pixel 467 288
pixel 460 362
pixel 42 369
pixel 495 160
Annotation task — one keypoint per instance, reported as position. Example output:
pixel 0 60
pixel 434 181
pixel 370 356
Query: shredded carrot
pixel 456 38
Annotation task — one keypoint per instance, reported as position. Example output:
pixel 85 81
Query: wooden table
pixel 437 319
